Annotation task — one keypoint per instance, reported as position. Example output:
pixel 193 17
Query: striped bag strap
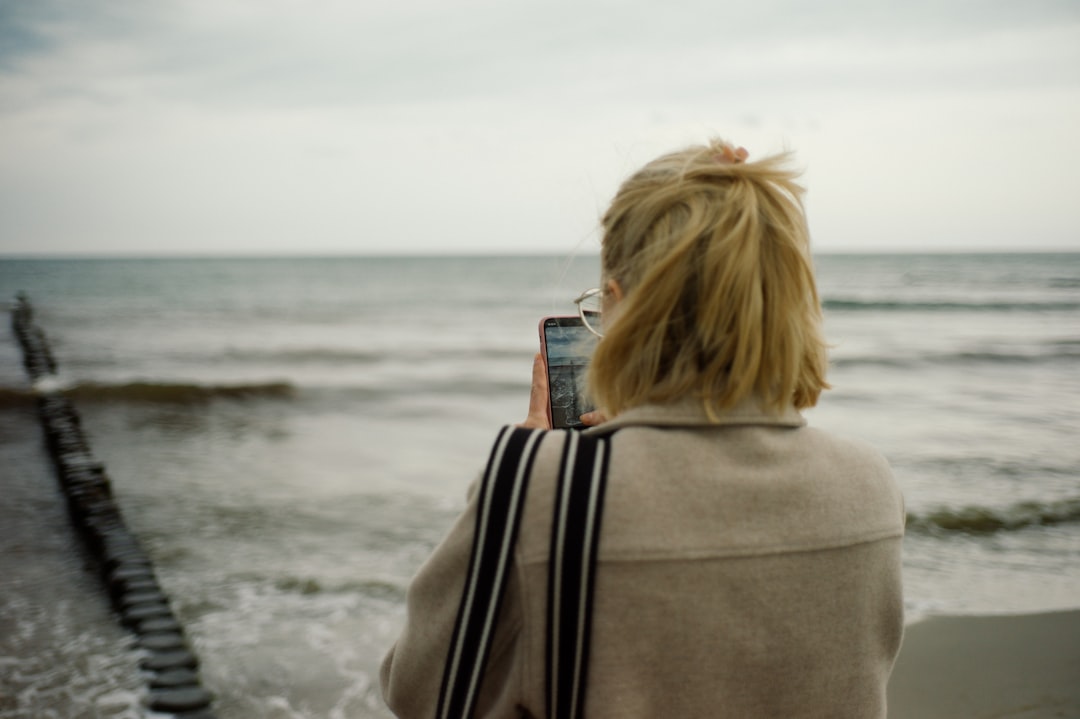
pixel 498 516
pixel 575 536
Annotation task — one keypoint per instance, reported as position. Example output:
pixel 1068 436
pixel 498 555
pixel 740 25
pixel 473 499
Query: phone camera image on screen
pixel 568 346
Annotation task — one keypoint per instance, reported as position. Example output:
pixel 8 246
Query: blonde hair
pixel 720 303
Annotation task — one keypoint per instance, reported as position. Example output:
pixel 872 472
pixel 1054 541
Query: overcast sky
pixel 280 126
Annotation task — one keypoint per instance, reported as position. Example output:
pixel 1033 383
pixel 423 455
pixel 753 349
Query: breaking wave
pixel 308 586
pixel 175 392
pixel 984 520
pixel 854 305
pixel 15 397
pixel 1067 351
pixel 351 356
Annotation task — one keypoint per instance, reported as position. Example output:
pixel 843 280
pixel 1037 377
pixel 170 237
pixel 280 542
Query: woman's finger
pixel 538 397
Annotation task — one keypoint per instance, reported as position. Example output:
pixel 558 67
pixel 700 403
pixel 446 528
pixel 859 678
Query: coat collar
pixel 691 413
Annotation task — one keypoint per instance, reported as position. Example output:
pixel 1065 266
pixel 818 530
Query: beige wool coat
pixel 747 568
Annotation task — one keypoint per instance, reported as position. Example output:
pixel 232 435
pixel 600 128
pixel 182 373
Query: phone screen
pixel 567 346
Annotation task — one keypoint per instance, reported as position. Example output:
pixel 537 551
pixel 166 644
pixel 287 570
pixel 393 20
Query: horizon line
pixel 466 254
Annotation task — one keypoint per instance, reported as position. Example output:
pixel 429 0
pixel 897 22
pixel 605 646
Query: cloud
pixel 289 53
pixel 470 124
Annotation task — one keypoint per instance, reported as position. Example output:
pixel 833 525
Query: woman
pixel 749 565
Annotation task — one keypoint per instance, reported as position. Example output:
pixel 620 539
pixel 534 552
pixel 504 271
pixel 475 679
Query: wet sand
pixel 1014 667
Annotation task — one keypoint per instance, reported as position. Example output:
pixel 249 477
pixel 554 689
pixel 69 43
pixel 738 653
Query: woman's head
pixel 712 257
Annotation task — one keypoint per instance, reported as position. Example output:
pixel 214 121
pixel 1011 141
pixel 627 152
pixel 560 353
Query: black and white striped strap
pixel 575 537
pixel 499 505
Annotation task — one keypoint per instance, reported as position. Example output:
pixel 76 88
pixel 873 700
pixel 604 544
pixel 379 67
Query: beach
pixel 79 661
pixel 289 438
pixel 1015 666
pixel 1018 666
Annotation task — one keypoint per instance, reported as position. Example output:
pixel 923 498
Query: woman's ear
pixel 614 289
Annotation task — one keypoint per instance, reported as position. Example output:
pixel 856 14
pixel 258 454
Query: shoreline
pixel 1019 666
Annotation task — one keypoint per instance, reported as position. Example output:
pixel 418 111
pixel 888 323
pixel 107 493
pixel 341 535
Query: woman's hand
pixel 538 397
pixel 593 418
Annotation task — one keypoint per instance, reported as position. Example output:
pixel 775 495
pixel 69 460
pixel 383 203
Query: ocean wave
pixel 1058 352
pixel 1063 282
pixel 897 305
pixel 418 386
pixel 15 397
pixel 329 355
pixel 350 356
pixel 985 520
pixel 174 392
pixel 165 392
pixel 308 586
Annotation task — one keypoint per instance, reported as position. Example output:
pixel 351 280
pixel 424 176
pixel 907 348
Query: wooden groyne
pixel 166 657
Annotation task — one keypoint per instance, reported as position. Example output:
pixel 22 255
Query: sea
pixel 290 437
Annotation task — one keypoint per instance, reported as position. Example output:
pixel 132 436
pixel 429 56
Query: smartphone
pixel 567 346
